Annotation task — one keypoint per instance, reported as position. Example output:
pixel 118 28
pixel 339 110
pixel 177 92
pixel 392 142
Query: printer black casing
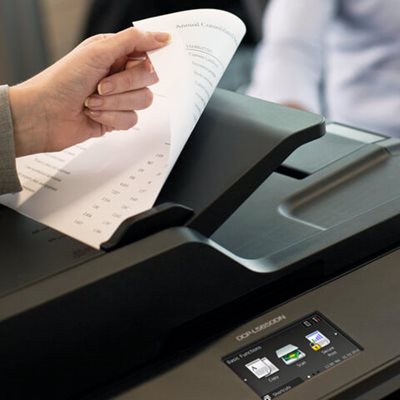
pixel 237 229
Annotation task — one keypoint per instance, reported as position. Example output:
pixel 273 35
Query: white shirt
pixel 340 58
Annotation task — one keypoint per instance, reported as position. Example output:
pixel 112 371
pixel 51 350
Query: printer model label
pixel 277 363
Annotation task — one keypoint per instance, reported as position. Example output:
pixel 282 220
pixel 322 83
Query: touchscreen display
pixel 279 362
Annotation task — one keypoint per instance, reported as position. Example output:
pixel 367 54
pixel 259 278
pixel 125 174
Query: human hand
pixel 93 89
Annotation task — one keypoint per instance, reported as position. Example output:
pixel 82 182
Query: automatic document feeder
pixel 234 234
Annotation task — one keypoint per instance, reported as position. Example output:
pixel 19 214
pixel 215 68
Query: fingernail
pixel 132 64
pixel 94 101
pixel 137 58
pixel 93 113
pixel 133 61
pixel 150 68
pixel 162 37
pixel 105 88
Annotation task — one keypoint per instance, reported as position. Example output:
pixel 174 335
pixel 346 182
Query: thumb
pixel 129 41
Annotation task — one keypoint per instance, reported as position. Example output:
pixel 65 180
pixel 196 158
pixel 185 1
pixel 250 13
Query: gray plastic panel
pixel 341 142
pixel 358 189
pixel 364 304
pixel 30 251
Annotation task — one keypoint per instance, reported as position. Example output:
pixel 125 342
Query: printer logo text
pixel 261 327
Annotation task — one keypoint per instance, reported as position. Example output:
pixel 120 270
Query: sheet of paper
pixel 87 190
pixel 210 38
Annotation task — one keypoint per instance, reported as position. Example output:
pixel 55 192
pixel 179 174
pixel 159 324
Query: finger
pixel 129 41
pixel 129 79
pixel 118 66
pixel 116 120
pixel 95 129
pixel 133 100
pixel 133 61
pixel 126 63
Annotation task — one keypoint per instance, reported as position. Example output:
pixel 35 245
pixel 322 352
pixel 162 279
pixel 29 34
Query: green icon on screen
pixel 289 354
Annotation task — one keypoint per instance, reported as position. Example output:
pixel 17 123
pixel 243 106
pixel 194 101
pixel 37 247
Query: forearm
pixel 8 175
pixel 29 119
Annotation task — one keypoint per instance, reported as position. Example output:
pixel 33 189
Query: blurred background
pixel 35 33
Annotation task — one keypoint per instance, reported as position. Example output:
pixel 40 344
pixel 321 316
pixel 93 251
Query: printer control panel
pixel 277 363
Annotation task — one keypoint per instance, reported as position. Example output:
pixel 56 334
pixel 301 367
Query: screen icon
pixel 289 354
pixel 317 340
pixel 262 367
